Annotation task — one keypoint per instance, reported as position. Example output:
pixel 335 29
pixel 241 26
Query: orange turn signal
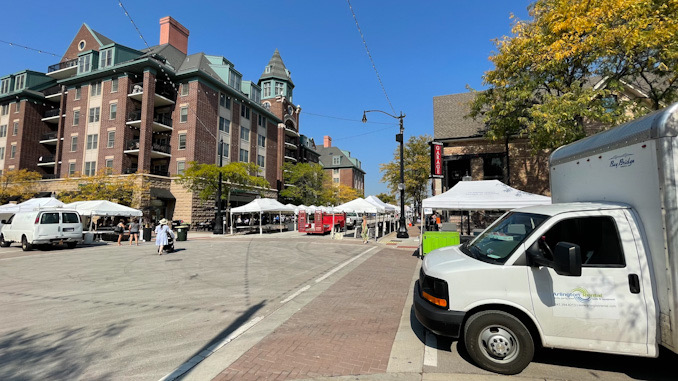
pixel 434 300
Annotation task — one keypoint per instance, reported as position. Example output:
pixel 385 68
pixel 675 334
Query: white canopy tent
pixel 94 208
pixel 261 205
pixel 360 205
pixel 376 201
pixel 482 195
pixel 43 202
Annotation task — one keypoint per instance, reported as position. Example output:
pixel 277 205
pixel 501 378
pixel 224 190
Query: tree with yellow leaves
pixel 19 185
pixel 578 62
pixel 121 189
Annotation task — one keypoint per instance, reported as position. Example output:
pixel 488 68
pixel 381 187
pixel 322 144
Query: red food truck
pixel 320 222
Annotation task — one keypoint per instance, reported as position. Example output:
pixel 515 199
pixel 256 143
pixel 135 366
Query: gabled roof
pixel 277 69
pixel 449 117
pixel 103 40
pixel 328 153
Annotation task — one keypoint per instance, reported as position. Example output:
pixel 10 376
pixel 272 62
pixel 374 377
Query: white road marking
pixel 295 294
pixel 334 270
pixel 431 350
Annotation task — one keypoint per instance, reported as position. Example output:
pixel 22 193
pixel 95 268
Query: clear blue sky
pixel 421 50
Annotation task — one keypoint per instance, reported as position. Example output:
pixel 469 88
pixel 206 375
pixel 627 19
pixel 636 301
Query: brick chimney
pixel 327 141
pixel 173 33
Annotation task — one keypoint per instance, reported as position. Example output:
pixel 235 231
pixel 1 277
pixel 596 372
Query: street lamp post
pixel 402 229
pixel 218 223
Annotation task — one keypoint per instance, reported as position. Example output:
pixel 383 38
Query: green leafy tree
pixel 121 189
pixel 203 179
pixel 18 185
pixel 306 184
pixel 387 198
pixel 339 193
pixel 579 62
pixel 417 163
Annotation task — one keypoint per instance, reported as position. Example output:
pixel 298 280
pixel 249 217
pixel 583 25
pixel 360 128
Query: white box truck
pixel 594 271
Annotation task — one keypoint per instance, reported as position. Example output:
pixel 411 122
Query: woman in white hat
pixel 161 232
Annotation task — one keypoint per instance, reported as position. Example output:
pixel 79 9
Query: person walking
pixel 134 232
pixel 161 232
pixel 364 229
pixel 120 229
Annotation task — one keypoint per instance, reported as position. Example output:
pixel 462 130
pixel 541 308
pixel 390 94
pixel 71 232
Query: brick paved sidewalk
pixel 347 330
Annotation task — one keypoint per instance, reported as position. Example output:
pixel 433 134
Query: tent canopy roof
pixel 103 208
pixel 484 194
pixel 360 205
pixel 42 202
pixel 376 201
pixel 261 205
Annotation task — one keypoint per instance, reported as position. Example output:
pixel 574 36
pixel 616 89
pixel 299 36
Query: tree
pixel 122 189
pixel 417 163
pixel 306 184
pixel 203 179
pixel 387 198
pixel 339 194
pixel 19 185
pixel 571 65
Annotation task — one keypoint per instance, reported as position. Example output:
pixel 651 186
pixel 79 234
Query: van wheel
pixel 3 243
pixel 498 342
pixel 71 245
pixel 25 246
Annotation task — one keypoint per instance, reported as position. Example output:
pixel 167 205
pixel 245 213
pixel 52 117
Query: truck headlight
pixel 434 290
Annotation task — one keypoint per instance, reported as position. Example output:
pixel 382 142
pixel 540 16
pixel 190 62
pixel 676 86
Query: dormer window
pixel 268 69
pixel 85 64
pixel 266 87
pixel 336 160
pixel 256 94
pixel 106 58
pixel 19 82
pixel 4 86
pixel 234 80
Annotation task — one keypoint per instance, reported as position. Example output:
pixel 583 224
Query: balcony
pixel 290 143
pixel 49 138
pixel 291 132
pixel 129 171
pixel 51 116
pixel 46 161
pixel 161 122
pixel 49 176
pixel 63 69
pixel 53 93
pixel 158 150
pixel 160 172
pixel 164 95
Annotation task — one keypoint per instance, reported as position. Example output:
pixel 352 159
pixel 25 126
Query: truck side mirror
pixel 3 222
pixel 535 256
pixel 567 259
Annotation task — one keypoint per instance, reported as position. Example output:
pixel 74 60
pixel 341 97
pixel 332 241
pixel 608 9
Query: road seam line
pixel 334 270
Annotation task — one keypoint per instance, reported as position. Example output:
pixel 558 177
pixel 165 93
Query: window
pixel 245 133
pixel 336 180
pixel 113 110
pixel 17 107
pixel 12 151
pixel 70 218
pixel 49 218
pixel 94 114
pixel 71 169
pixel 76 117
pixel 268 69
pixel 262 120
pixel 184 89
pixel 114 85
pixel 266 89
pixel 225 100
pixel 95 88
pixel 336 160
pixel 5 110
pixel 244 111
pixel 260 161
pixel 182 141
pixel 225 149
pixel 78 92
pixel 261 139
pixel 183 114
pixel 90 168
pixel 335 171
pixel 2 153
pixel 74 143
pixel 15 129
pixel 596 236
pixel 84 64
pixel 19 82
pixel 267 106
pixel 244 156
pixel 4 86
pixel 3 131
pixel 105 58
pixel 92 141
pixel 224 125
pixel 256 94
pixel 181 166
pixel 109 166
pixel 234 80
pixel 111 139
pixel 279 88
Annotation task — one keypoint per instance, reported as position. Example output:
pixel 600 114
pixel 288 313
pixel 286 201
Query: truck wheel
pixel 3 243
pixel 498 342
pixel 25 246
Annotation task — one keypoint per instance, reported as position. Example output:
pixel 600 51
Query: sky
pixel 420 50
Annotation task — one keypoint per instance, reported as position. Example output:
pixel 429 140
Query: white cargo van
pixel 595 271
pixel 42 226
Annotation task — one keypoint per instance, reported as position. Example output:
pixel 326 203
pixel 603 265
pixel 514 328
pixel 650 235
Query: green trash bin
pixel 182 233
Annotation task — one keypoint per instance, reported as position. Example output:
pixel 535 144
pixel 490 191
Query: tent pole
pixel 261 231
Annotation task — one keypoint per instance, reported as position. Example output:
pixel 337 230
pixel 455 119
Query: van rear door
pixel 49 227
pixel 71 227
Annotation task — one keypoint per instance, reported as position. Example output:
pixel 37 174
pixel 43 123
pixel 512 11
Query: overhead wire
pixel 133 23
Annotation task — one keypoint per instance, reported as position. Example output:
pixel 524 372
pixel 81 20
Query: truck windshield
pixel 496 244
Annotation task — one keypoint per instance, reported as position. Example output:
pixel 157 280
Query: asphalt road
pixel 110 312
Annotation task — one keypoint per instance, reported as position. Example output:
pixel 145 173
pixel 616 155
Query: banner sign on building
pixel 437 160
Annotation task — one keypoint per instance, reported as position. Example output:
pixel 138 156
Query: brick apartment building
pixel 342 168
pixel 106 106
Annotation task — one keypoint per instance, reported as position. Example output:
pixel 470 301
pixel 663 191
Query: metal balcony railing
pixel 51 113
pixel 134 115
pixel 166 91
pixel 49 136
pixel 46 159
pixel 52 90
pixel 129 171
pixel 62 65
pixel 163 119
pixel 132 144
pixel 155 146
pixel 49 176
pixel 160 172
